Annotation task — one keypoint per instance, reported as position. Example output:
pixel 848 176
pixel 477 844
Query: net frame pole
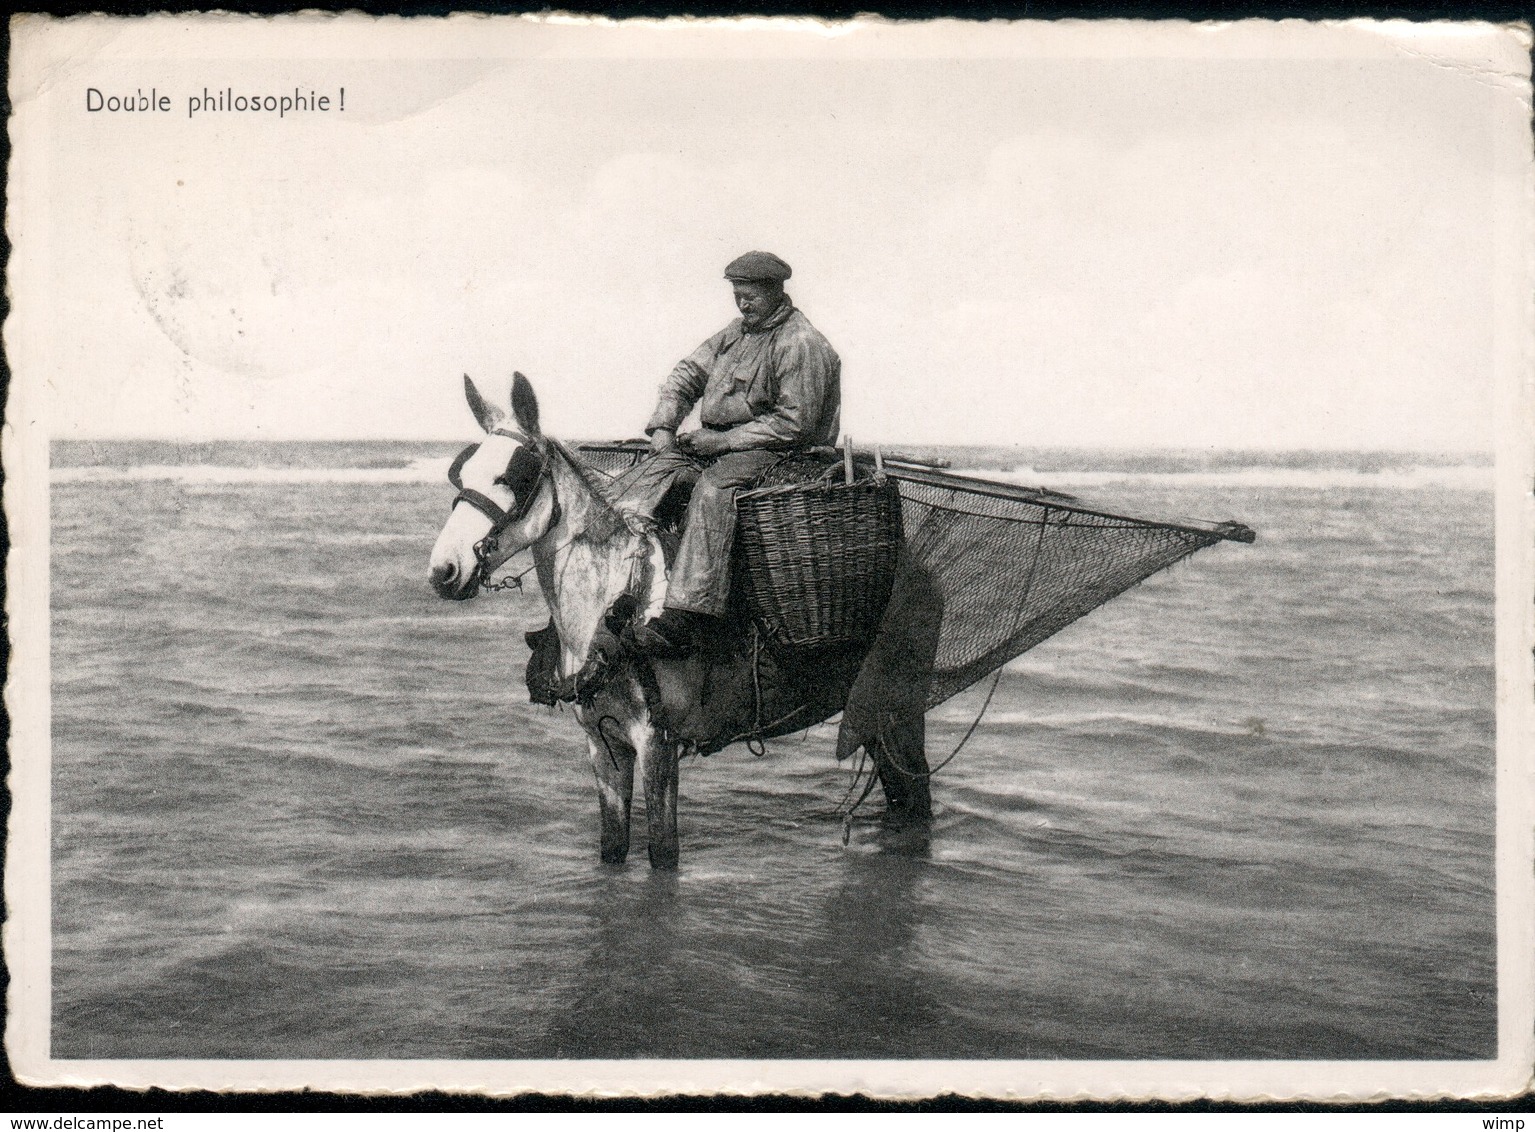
pixel 931 475
pixel 974 485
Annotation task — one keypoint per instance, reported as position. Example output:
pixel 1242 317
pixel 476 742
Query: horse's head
pixel 505 500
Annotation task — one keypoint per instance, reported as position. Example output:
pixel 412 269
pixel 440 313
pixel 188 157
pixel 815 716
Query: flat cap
pixel 758 267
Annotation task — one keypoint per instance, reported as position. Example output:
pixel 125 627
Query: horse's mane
pixel 597 489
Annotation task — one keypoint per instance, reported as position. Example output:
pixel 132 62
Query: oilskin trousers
pixel 700 578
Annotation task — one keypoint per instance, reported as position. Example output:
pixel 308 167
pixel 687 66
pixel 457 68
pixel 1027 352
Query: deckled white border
pixel 45 52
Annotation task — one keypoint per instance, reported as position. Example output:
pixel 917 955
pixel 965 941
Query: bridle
pixel 524 484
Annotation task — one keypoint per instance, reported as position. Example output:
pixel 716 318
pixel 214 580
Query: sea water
pixel 302 808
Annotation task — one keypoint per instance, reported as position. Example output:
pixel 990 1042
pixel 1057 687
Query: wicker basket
pixel 818 559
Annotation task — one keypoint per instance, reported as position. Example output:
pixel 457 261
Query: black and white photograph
pixel 577 556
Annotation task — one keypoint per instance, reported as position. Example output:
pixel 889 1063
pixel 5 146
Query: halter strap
pixel 499 517
pixel 455 469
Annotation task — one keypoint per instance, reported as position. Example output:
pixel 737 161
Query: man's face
pixel 756 300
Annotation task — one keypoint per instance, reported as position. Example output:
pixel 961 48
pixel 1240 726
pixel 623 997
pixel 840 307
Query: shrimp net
pixel 1006 572
pixel 990 570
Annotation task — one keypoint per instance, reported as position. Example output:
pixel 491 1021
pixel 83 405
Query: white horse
pixel 519 489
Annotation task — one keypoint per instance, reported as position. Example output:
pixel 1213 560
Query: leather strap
pixel 485 505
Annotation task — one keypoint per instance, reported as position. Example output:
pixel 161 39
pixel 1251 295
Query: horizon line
pixel 887 445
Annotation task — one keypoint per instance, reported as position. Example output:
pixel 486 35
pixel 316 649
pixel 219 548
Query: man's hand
pixel 662 439
pixel 704 442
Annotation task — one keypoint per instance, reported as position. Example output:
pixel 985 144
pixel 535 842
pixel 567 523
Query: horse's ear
pixel 488 415
pixel 524 404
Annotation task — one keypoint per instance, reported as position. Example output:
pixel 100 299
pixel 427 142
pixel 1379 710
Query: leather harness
pixel 523 496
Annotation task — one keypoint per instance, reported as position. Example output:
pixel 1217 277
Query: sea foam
pixel 421 470
pixel 434 470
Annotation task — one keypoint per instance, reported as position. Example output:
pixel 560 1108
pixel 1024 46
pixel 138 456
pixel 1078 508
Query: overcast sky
pixel 1236 246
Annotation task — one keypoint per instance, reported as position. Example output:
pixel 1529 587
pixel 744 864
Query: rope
pixel 960 746
pixel 847 815
pixel 755 744
pixel 750 737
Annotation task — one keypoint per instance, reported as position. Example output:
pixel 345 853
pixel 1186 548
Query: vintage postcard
pixel 770 556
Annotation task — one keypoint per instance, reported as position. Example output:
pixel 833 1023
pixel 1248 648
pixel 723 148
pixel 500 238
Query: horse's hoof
pixel 615 856
pixel 664 857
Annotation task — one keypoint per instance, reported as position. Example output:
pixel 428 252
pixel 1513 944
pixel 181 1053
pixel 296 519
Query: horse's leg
pixel 658 760
pixel 613 765
pixel 900 755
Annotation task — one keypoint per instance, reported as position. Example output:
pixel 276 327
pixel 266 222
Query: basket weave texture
pixel 818 559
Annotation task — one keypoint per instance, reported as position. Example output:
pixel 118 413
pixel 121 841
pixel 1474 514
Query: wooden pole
pixel 974 485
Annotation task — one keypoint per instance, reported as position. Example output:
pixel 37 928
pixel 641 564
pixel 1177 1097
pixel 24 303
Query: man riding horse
pixel 768 384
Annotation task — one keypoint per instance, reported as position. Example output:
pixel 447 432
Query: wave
pixel 1452 477
pixel 434 470
pixel 424 469
pixel 1078 720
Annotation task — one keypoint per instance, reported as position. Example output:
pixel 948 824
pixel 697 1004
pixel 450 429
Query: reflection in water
pixel 633 978
pixel 827 975
pixel 874 995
